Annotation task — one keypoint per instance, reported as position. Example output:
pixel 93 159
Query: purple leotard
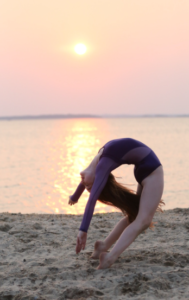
pixel 116 153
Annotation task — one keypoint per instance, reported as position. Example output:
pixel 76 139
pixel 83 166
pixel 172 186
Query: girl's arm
pixel 104 167
pixel 75 197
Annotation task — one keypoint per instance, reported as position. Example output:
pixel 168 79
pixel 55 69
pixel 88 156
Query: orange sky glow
pixel 136 61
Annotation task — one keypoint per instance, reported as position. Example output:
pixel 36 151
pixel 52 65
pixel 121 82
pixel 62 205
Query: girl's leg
pixel 102 246
pixel 150 198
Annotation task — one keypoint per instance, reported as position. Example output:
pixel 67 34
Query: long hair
pixel 126 200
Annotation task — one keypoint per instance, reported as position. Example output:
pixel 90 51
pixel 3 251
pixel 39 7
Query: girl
pixel 138 208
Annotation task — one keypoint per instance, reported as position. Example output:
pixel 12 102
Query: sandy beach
pixel 38 260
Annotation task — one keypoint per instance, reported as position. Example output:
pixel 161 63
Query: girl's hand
pixel 70 202
pixel 81 241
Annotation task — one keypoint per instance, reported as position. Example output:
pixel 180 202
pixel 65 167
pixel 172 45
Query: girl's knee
pixel 125 220
pixel 144 223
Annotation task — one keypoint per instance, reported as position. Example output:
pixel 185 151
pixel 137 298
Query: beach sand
pixel 38 260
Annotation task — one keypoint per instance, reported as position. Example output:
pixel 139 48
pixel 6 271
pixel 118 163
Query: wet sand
pixel 38 260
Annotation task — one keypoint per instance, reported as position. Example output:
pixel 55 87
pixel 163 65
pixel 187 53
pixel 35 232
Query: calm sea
pixel 40 160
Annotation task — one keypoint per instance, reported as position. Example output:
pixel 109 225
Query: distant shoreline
pixel 80 116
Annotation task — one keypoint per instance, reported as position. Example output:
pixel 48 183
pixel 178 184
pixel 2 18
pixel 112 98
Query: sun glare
pixel 80 49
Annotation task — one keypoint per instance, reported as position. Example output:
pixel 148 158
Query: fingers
pixel 77 250
pixel 83 245
pixel 70 202
pixel 80 245
pixel 81 242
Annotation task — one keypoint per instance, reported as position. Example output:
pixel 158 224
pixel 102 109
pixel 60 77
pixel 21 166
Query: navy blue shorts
pixel 146 166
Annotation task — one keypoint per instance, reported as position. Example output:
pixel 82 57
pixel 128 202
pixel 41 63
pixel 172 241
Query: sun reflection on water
pixel 79 144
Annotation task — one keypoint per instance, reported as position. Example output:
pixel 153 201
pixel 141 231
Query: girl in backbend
pixel 138 208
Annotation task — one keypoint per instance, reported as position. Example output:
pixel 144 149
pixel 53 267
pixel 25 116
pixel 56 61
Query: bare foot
pixel 105 261
pixel 99 247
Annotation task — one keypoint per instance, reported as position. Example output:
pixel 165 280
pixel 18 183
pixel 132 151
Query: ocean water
pixel 40 160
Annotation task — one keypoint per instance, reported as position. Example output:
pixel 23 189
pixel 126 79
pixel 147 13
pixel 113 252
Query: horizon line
pixel 75 116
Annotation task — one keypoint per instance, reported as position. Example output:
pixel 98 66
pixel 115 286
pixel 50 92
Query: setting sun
pixel 80 49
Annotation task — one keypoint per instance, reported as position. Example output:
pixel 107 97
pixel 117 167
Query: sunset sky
pixel 137 58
